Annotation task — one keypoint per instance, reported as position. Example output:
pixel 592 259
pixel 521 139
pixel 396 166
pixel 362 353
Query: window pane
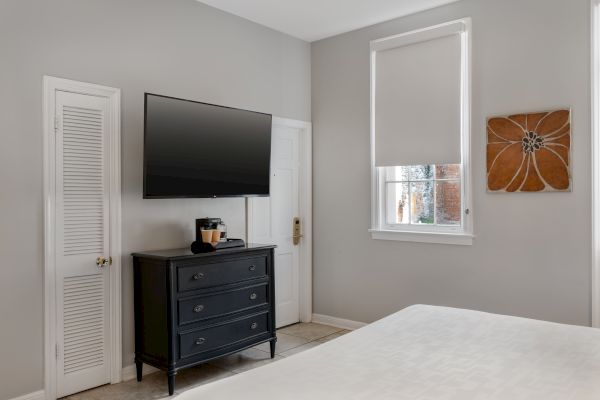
pixel 422 202
pixel 447 171
pixel 397 203
pixel 448 205
pixel 401 173
pixel 420 172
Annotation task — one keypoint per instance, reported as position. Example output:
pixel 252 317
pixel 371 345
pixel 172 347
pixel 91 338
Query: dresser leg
pixel 171 376
pixel 138 369
pixel 272 344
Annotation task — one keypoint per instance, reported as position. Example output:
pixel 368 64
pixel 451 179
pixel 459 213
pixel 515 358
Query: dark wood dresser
pixel 193 308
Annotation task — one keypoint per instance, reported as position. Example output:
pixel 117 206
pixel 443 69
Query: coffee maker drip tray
pixel 229 244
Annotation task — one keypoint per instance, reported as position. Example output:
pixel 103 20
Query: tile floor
pixel 290 340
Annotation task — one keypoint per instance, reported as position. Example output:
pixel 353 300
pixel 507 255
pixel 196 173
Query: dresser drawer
pixel 201 307
pixel 202 340
pixel 215 274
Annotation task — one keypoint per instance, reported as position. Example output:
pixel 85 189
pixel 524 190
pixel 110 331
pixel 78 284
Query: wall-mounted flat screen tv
pixel 194 149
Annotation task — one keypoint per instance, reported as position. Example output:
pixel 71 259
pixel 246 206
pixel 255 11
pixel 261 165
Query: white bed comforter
pixel 433 353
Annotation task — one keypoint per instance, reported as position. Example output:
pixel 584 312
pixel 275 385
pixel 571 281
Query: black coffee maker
pixel 212 223
pixel 206 223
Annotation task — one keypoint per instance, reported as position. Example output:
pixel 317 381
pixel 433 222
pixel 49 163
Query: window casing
pixel 426 203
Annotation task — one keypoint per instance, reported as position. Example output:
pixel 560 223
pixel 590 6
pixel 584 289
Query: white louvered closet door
pixel 82 235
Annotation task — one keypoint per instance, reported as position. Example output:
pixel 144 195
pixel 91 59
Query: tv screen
pixel 194 149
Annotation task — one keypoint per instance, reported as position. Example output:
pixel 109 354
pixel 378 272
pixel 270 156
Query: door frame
pixel 50 86
pixel 305 211
pixel 595 112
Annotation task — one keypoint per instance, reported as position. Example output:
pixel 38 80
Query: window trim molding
pixel 464 236
pixel 461 239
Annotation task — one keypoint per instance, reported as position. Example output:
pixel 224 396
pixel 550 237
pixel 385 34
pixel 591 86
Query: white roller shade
pixel 417 100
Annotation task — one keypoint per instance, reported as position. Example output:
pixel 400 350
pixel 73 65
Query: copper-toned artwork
pixel 529 152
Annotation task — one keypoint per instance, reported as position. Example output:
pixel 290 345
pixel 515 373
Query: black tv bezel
pixel 214 196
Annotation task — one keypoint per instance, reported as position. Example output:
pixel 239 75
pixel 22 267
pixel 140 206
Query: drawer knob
pixel 254 325
pixel 200 341
pixel 252 268
pixel 253 296
pixel 198 308
pixel 198 275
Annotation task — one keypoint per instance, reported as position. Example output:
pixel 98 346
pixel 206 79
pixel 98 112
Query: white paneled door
pixel 272 221
pixel 82 253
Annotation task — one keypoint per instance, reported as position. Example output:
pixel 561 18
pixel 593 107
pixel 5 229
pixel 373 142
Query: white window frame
pixel 462 235
pixel 382 175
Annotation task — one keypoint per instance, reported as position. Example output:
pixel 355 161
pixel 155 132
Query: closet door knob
pixel 198 276
pixel 198 308
pixel 102 262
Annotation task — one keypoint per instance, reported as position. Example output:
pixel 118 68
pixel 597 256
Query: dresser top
pixel 183 253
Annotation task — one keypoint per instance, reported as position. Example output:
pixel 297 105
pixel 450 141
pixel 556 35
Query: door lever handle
pixel 296 229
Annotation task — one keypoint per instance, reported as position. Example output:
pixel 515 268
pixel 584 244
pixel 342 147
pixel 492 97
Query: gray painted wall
pixel 179 48
pixel 531 255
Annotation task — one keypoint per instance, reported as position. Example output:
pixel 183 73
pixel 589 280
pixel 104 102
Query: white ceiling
pixel 312 20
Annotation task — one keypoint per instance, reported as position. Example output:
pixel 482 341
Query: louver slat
pixel 83 321
pixel 83 181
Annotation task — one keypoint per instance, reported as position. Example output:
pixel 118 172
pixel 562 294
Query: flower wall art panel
pixel 529 152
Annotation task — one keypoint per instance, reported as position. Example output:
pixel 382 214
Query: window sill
pixel 461 239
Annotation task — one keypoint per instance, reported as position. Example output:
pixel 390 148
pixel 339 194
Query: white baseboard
pixel 337 322
pixel 128 373
pixel 39 395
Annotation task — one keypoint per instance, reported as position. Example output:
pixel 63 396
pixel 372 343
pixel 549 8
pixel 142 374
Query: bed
pixel 427 353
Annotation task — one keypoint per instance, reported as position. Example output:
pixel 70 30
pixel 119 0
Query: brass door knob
pixel 102 262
